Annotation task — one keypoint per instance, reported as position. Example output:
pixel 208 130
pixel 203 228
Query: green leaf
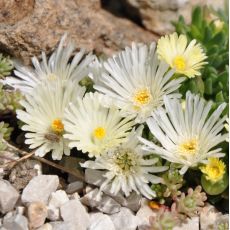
pixel 200 84
pixel 197 17
pixel 208 86
pixel 214 188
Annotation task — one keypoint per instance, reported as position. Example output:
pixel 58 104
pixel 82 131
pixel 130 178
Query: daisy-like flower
pixel 137 81
pixel 185 58
pixel 126 168
pixel 57 67
pixel 43 117
pixel 214 170
pixel 188 136
pixel 94 128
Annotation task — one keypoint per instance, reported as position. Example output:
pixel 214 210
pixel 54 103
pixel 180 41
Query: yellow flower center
pixel 52 77
pixel 179 63
pixel 214 170
pixel 142 97
pixel 189 147
pixel 99 133
pixel 57 126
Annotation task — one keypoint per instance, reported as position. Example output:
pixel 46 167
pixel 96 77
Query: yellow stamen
pixel 179 63
pixel 142 97
pixel 52 77
pixel 99 133
pixel 214 170
pixel 57 126
pixel 189 147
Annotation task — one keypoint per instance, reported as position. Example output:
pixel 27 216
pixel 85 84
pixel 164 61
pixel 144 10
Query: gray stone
pixel 133 201
pixel 125 220
pixel 8 196
pixel 16 222
pixel 76 186
pixel 74 212
pixel 94 177
pixel 58 198
pixel 37 213
pixel 40 188
pixel 108 205
pixel 100 221
pixel 53 213
pixel 92 199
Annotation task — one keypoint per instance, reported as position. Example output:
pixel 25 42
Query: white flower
pixel 43 117
pixel 137 81
pixel 126 169
pixel 57 67
pixel 188 136
pixel 93 128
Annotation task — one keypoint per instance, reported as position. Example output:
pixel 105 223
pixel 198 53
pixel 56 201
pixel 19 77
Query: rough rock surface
pixel 157 16
pixel 74 212
pixel 40 188
pixel 8 196
pixel 15 222
pixel 100 221
pixel 40 26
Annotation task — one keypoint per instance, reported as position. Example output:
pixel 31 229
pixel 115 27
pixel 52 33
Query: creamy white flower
pixel 93 128
pixel 126 169
pixel 137 81
pixel 188 136
pixel 57 67
pixel 43 117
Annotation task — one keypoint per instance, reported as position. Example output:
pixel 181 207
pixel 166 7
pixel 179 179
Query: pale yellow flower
pixel 214 170
pixel 185 58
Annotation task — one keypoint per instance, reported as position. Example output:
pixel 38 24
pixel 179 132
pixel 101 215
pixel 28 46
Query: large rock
pixel 8 196
pixel 74 212
pixel 191 224
pixel 37 25
pixel 40 188
pixel 157 16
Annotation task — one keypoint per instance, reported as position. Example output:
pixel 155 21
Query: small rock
pixel 37 213
pixel 143 214
pixel 8 196
pixel 16 222
pixel 191 224
pixel 74 212
pixel 46 226
pixel 92 199
pixel 74 196
pixel 58 198
pixel 20 210
pixel 100 221
pixel 40 188
pixel 125 220
pixel 108 205
pixel 94 177
pixel 133 202
pixel 53 213
pixel 76 186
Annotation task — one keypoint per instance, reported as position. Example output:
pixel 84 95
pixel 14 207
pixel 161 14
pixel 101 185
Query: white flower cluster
pixel 133 88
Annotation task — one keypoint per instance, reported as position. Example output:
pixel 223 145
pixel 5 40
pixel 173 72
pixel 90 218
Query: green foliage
pixel 209 28
pixel 6 66
pixel 5 132
pixel 9 100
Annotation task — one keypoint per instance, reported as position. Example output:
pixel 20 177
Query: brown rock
pixel 37 213
pixel 85 21
pixel 157 16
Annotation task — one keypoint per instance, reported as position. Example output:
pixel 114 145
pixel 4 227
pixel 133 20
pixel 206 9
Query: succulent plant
pixel 164 220
pixel 5 132
pixel 191 203
pixel 9 100
pixel 210 28
pixel 6 66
